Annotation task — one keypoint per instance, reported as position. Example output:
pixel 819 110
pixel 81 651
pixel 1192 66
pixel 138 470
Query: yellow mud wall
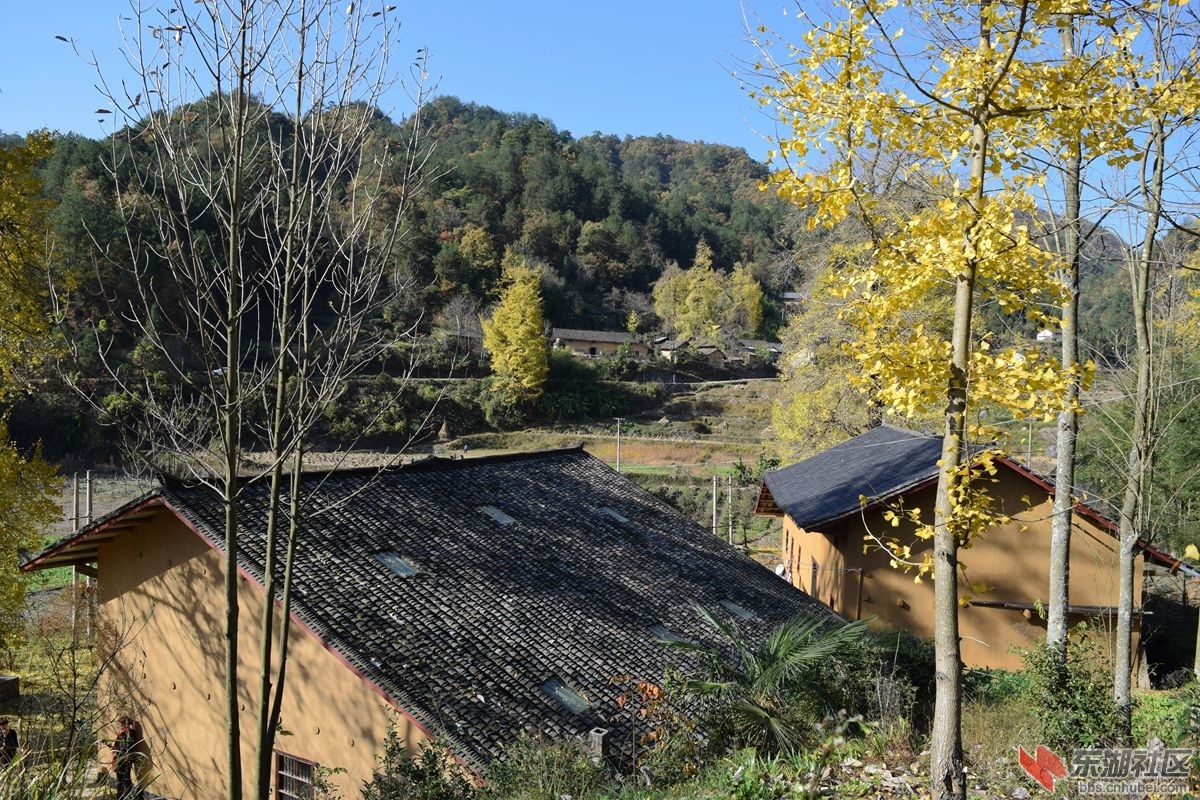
pixel 1011 561
pixel 162 598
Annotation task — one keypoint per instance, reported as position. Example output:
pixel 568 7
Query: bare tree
pixel 1164 167
pixel 263 194
pixel 59 719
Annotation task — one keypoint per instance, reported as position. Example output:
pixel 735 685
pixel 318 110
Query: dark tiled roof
pixel 761 344
pixel 885 462
pixel 878 464
pixel 616 337
pixel 568 590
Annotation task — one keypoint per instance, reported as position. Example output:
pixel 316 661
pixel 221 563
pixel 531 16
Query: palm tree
pixel 761 694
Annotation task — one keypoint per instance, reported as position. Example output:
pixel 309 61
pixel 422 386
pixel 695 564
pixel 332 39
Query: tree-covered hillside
pixel 602 218
pixel 602 215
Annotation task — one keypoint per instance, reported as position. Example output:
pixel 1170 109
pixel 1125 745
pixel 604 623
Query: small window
pixel 611 514
pixel 565 696
pixel 497 514
pixel 294 778
pixel 736 610
pixel 397 564
pixel 662 634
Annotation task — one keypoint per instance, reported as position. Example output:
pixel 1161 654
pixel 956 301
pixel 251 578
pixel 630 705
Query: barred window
pixel 294 777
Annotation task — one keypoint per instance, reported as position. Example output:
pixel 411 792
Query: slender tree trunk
pixel 232 436
pixel 949 781
pixel 1058 607
pixel 233 415
pixel 946 758
pixel 946 736
pixel 276 707
pixel 284 442
pixel 1133 506
pixel 266 735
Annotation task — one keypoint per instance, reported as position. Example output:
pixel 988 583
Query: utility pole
pixel 75 526
pixel 619 421
pixel 714 495
pixel 87 582
pixel 731 509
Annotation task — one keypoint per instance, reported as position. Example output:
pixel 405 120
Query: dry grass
pixel 991 733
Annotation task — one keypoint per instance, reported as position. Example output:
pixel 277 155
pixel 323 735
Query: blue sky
pixel 636 67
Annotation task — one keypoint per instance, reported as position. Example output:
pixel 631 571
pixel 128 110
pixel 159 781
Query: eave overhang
pixel 83 547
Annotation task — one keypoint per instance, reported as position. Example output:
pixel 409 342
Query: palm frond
pixel 799 642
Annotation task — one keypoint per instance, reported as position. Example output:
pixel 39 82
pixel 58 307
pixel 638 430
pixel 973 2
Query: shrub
pixel 429 775
pixel 1163 715
pixel 504 408
pixel 533 769
pixel 995 685
pixel 1078 709
pixel 671 747
pixel 770 695
pixel 886 677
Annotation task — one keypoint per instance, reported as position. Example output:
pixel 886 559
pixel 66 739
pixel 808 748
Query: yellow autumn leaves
pixel 24 323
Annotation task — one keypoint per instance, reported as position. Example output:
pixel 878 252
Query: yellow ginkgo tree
pixel 27 483
pixel 958 96
pixel 513 336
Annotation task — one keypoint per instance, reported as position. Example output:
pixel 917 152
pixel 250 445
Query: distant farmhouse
pixel 830 503
pixel 599 344
pixel 471 600
pixel 736 351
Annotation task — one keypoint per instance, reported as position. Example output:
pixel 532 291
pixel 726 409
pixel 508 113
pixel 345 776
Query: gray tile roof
pixel 568 590
pixel 878 464
pixel 574 334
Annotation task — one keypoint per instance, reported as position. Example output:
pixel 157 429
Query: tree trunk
pixel 946 758
pixel 1058 605
pixel 949 780
pixel 1133 506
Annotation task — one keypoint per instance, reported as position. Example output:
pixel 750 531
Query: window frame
pixel 284 767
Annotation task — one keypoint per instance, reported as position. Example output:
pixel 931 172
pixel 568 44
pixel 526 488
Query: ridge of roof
pixel 425 462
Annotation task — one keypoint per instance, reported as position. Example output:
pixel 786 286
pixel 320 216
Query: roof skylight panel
pixel 398 564
pixel 497 515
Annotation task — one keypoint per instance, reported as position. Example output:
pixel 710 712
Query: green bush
pixel 429 775
pixel 995 685
pixel 1076 709
pixel 1165 716
pixel 533 769
pixel 886 677
pixel 503 407
pixel 565 367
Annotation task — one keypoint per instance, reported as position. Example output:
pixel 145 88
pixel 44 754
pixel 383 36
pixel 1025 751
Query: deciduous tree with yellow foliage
pixel 27 483
pixel 961 93
pixel 514 337
pixel 706 304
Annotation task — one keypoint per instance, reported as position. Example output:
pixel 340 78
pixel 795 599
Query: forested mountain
pixel 602 217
